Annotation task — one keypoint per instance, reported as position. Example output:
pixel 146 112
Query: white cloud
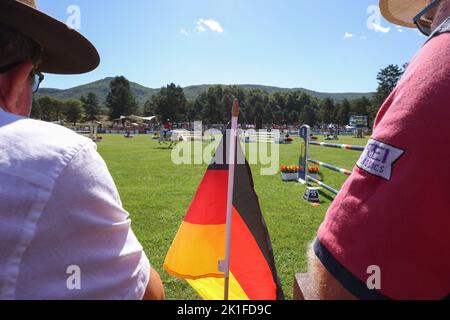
pixel 203 25
pixel 399 29
pixel 348 35
pixel 200 27
pixel 379 28
pixel 184 32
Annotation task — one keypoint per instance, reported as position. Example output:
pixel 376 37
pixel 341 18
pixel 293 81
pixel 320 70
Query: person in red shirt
pixel 167 127
pixel 387 234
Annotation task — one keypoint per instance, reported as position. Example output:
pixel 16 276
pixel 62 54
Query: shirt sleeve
pixel 84 247
pixel 392 216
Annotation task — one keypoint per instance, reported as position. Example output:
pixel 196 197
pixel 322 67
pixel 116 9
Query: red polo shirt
pixel 394 211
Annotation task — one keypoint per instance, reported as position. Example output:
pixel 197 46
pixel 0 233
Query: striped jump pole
pixel 331 167
pixel 304 176
pixel 337 146
pixel 323 185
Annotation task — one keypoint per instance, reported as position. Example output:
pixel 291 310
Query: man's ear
pixel 13 83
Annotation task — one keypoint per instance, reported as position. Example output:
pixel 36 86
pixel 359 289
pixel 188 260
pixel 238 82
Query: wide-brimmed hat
pixel 65 51
pixel 402 12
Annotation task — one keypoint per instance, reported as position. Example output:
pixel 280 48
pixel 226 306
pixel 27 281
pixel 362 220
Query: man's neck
pixel 442 14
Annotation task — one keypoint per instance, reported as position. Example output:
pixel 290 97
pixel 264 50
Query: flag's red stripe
pixel 210 202
pixel 248 264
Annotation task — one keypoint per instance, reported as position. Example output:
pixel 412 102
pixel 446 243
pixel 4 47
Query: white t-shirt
pixel 63 231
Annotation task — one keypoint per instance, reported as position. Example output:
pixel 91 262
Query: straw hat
pixel 65 51
pixel 402 12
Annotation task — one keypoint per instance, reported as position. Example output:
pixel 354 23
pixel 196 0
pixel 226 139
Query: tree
pixel 308 116
pixel 36 112
pixel 214 105
pixel 285 114
pixel 279 100
pixel 191 111
pixel 91 106
pixel 121 101
pixel 73 110
pixel 170 102
pixel 326 111
pixel 149 109
pixel 51 109
pixel 359 107
pixel 268 114
pixel 213 110
pixel 303 100
pixel 277 115
pixel 294 117
pixel 387 80
pixel 343 113
pixel 255 104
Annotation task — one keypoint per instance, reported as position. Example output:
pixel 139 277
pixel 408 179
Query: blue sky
pixel 319 45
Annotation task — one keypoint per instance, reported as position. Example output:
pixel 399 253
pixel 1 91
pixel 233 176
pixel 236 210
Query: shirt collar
pixel 443 28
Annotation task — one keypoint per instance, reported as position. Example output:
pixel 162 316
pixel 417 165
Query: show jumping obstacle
pixel 304 177
pixel 304 283
pixel 253 136
pixel 330 167
pixel 337 146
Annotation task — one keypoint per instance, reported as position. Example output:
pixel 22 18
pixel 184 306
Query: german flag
pixel 200 242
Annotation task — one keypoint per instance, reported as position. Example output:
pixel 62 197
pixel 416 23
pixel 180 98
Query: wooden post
pixel 303 287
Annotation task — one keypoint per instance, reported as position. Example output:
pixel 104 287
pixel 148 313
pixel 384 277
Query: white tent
pixel 121 118
pixel 136 118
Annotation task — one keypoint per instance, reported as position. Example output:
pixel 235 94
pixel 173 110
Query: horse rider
pixel 167 127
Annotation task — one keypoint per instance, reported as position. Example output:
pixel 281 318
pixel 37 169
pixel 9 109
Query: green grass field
pixel 157 194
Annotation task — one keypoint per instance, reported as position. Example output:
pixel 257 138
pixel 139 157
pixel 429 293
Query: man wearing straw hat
pixel 387 234
pixel 63 231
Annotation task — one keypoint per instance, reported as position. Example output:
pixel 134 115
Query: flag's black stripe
pixel 218 167
pixel 220 160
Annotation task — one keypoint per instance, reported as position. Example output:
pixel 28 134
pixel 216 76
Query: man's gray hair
pixel 16 47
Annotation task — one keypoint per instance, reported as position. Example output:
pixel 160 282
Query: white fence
pixel 252 136
pixel 185 135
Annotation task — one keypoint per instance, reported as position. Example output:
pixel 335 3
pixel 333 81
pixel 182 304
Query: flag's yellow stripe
pixel 196 251
pixel 213 288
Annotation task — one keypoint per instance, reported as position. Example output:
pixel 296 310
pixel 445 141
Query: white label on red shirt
pixel 378 159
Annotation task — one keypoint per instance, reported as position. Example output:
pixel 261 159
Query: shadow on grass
pixel 326 195
pixel 163 148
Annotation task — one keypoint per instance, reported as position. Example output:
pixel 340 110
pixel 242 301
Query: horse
pixel 168 137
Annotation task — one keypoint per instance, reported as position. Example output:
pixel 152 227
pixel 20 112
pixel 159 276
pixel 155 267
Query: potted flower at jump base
pixel 288 140
pixel 313 172
pixel 289 173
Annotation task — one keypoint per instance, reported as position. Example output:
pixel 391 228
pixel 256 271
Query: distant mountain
pixel 193 91
pixel 101 89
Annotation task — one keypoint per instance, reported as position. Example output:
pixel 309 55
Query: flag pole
pixel 232 164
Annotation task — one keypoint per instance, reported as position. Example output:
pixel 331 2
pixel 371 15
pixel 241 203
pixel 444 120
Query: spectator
pixel 60 210
pixel 383 238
